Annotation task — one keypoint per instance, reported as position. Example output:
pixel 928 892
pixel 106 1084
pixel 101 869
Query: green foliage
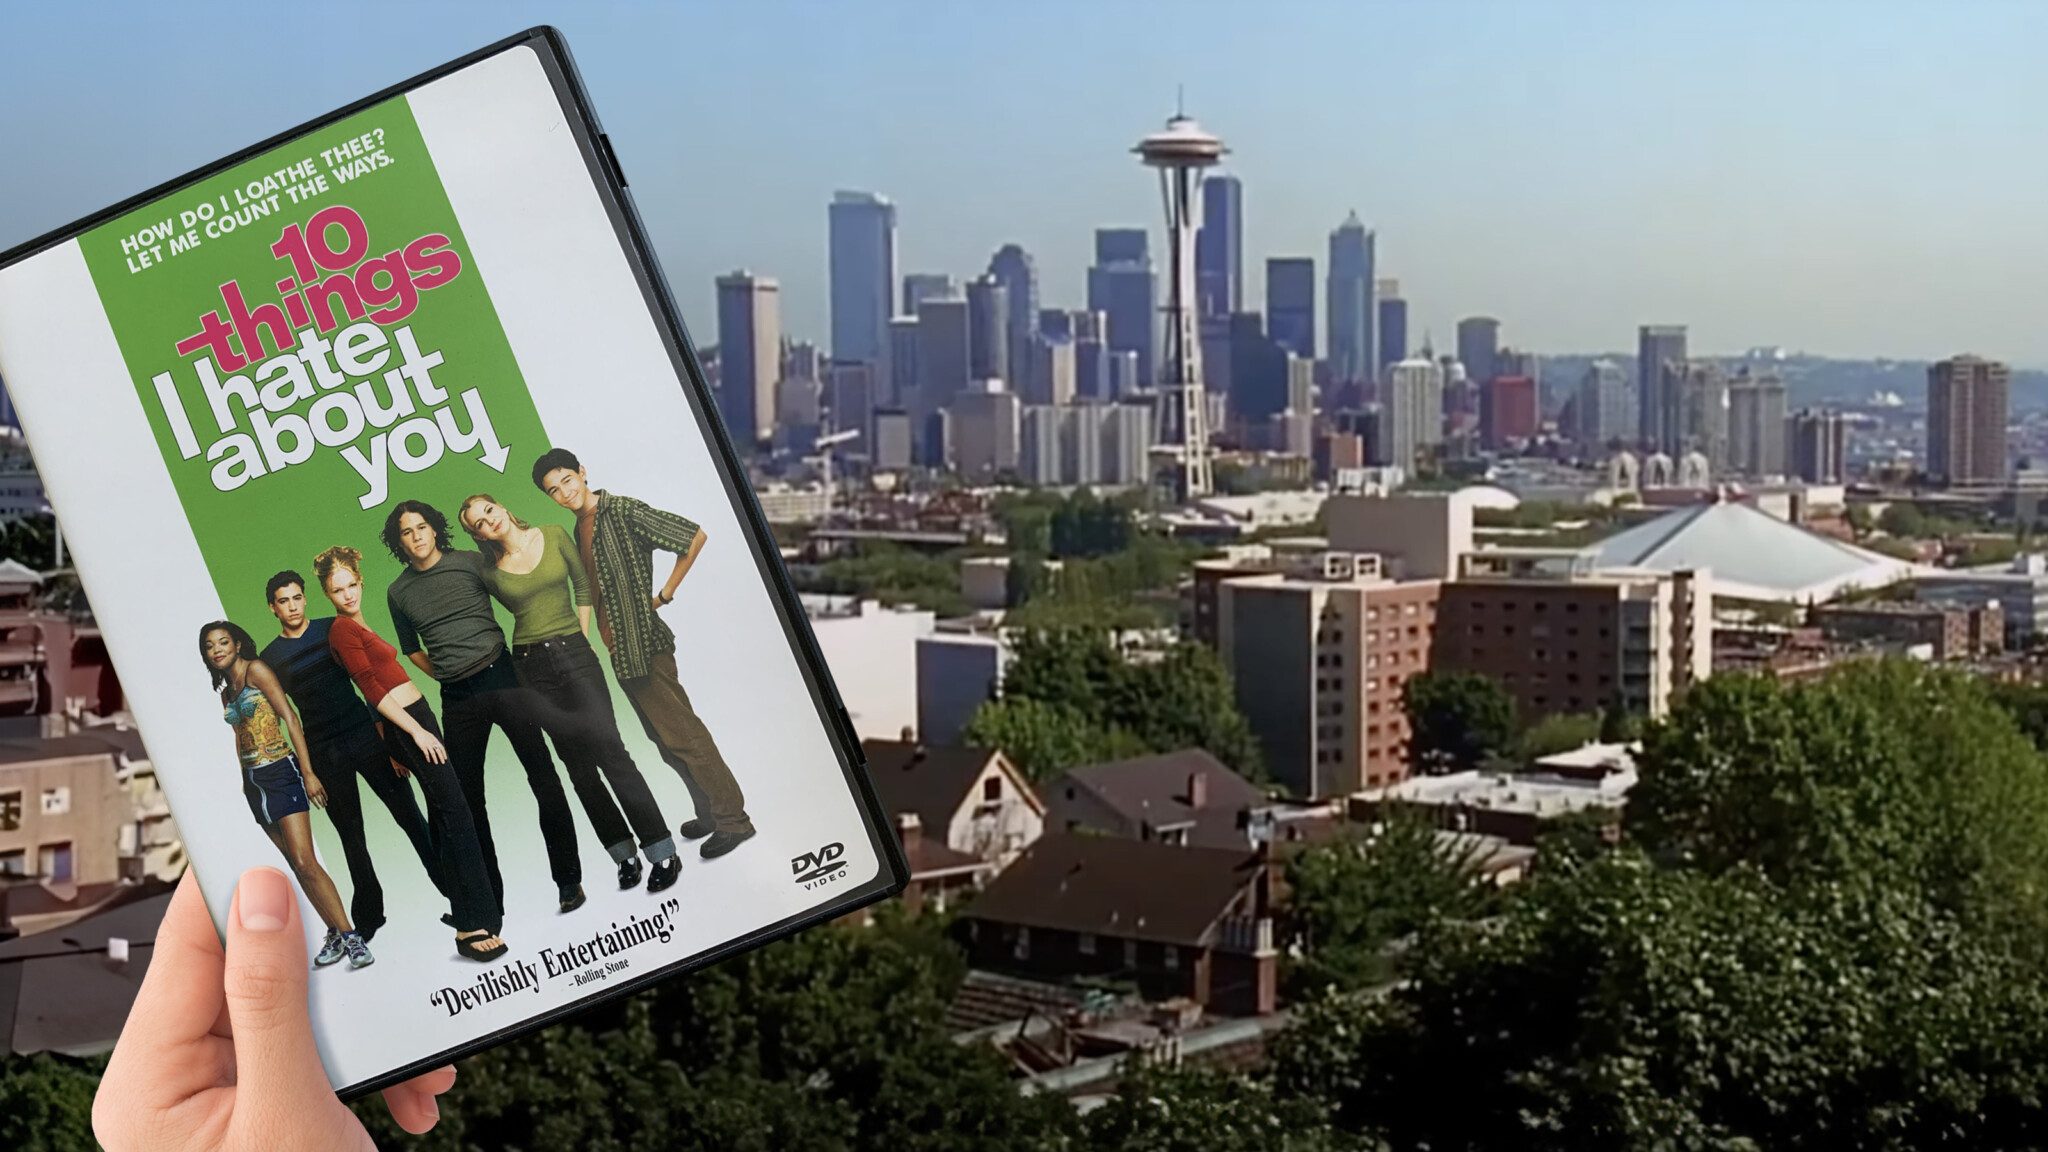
pixel 2027 704
pixel 1631 1007
pixel 1085 525
pixel 1129 589
pixel 1458 720
pixel 1196 1109
pixel 32 541
pixel 1885 775
pixel 1351 899
pixel 1069 697
pixel 1560 732
pixel 1618 725
pixel 894 575
pixel 46 1102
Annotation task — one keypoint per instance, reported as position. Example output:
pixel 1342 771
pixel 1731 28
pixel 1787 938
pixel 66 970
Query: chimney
pixel 1198 790
pixel 908 825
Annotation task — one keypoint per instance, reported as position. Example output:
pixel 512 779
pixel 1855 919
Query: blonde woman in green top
pixel 537 574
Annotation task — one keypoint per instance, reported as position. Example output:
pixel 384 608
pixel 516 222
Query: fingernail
pixel 433 1108
pixel 266 898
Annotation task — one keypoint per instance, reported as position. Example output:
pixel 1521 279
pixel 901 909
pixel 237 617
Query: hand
pixel 658 604
pixel 431 748
pixel 399 770
pixel 605 630
pixel 315 790
pixel 218 1052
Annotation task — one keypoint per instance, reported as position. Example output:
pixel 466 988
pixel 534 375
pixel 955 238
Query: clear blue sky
pixel 1855 178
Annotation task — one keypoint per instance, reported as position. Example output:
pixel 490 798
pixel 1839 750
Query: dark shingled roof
pixel 931 782
pixel 1154 790
pixel 1124 889
pixel 55 748
pixel 61 996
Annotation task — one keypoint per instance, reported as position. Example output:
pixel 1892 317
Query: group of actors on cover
pixel 303 734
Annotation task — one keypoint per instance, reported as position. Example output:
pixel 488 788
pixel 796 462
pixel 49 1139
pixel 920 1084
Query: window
pixel 1021 946
pixel 992 788
pixel 10 811
pixel 56 801
pixel 54 862
pixel 14 863
pixel 1085 944
pixel 1171 954
pixel 1130 953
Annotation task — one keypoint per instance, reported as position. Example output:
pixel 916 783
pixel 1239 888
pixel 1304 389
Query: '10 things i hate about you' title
pixel 325 339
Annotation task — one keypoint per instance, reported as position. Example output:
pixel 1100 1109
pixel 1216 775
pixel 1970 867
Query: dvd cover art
pixel 515 712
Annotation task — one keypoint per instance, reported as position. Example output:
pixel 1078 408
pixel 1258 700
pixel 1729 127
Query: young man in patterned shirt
pixel 618 537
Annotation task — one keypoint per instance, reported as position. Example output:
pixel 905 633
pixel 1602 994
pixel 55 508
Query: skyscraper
pixel 921 286
pixel 1479 349
pixel 863 275
pixel 850 394
pixel 1352 314
pixel 1180 154
pixel 988 330
pixel 1819 446
pixel 749 355
pixel 1411 413
pixel 1967 399
pixel 1694 401
pixel 899 389
pixel 1258 370
pixel 1508 410
pixel 1122 286
pixel 1219 248
pixel 1013 268
pixel 1756 424
pixel 1291 304
pixel 1604 407
pixel 1658 347
pixel 944 364
pixel 1393 326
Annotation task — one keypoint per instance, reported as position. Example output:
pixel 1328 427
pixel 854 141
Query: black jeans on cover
pixel 339 757
pixel 574 705
pixel 470 707
pixel 461 859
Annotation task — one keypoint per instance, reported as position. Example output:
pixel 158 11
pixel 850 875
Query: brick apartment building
pixel 1561 637
pixel 1319 656
pixel 1949 631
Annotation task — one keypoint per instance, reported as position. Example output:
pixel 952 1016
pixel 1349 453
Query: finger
pixel 265 980
pixel 180 995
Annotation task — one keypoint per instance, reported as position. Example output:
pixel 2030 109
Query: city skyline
pixel 1796 189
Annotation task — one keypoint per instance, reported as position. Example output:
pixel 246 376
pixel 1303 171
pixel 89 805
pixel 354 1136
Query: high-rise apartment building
pixel 985 421
pixel 1219 248
pixel 1038 447
pixel 863 275
pixel 1393 326
pixel 1127 439
pixel 749 356
pixel 1660 355
pixel 1562 637
pixel 1756 424
pixel 1353 314
pixel 850 395
pixel 1967 401
pixel 1818 445
pixel 1604 407
pixel 1319 656
pixel 1124 288
pixel 1013 268
pixel 1052 372
pixel 1291 304
pixel 1479 349
pixel 988 330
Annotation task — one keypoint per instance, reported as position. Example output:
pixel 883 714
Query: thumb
pixel 266 992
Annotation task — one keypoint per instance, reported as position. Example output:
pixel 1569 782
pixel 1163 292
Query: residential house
pixel 1175 922
pixel 962 813
pixel 1186 798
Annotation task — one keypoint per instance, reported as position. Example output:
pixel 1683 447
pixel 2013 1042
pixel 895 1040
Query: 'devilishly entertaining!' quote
pixel 300 182
pixel 583 962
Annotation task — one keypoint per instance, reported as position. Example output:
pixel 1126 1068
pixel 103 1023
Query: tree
pixel 1197 1109
pixel 1457 720
pixel 1089 702
pixel 1352 898
pixel 1629 1006
pixel 46 1102
pixel 1618 725
pixel 1043 739
pixel 1560 732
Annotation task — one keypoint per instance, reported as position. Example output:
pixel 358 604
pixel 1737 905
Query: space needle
pixel 1181 426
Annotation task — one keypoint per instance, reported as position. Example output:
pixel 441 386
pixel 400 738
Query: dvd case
pixel 428 570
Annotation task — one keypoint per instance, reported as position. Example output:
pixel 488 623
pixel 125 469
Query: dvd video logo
pixel 817 869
